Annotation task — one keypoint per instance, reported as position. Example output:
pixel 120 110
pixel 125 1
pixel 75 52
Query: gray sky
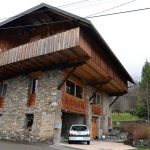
pixel 127 34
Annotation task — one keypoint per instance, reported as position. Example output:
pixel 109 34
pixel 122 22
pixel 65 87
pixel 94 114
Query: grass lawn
pixel 143 149
pixel 123 117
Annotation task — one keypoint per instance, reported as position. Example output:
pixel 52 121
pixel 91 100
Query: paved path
pixel 100 145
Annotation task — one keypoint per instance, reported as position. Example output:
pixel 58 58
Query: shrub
pixel 137 130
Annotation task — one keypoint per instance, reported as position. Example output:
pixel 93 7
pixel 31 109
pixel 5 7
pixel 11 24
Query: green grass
pixel 143 148
pixel 123 117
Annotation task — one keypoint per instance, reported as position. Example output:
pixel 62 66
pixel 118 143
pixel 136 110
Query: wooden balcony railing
pixel 73 104
pixel 96 109
pixel 60 41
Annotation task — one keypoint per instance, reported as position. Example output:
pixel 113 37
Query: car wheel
pixel 88 142
pixel 69 142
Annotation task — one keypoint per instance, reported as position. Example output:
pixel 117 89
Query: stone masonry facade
pixel 47 121
pixel 12 125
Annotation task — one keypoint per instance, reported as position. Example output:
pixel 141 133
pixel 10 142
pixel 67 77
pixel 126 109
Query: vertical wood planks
pixel 60 41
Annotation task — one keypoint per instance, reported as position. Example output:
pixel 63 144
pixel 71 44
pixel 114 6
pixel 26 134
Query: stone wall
pixel 102 121
pixel 106 113
pixel 13 118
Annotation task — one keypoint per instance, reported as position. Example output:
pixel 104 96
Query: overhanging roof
pixel 80 20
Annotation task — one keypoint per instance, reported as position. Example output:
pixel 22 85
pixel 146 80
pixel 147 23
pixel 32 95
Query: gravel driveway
pixel 100 145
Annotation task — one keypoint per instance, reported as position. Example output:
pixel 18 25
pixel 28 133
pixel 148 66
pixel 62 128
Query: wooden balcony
pixel 56 49
pixel 73 104
pixel 96 110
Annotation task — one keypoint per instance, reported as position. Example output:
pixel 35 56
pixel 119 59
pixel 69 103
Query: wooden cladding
pixel 73 104
pixel 31 101
pixel 1 102
pixel 107 69
pixel 96 110
pixel 101 61
pixel 61 41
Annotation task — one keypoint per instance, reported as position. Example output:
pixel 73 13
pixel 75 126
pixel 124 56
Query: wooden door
pixel 94 127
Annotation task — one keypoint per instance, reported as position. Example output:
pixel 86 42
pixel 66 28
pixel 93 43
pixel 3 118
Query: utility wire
pixel 117 13
pixel 81 7
pixel 111 14
pixel 112 8
pixel 66 5
pixel 91 4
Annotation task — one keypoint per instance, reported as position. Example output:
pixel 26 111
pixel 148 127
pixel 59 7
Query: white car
pixel 79 132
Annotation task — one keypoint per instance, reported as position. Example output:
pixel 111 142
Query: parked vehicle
pixel 79 132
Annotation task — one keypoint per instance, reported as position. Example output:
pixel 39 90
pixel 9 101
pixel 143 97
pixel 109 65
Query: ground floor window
pixel 29 121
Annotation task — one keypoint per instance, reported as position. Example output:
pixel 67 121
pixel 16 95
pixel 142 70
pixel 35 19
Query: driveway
pixel 99 145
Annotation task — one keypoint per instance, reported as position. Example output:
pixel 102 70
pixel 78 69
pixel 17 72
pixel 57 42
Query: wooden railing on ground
pixel 96 109
pixel 73 104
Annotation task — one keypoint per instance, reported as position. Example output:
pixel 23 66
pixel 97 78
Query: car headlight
pixel 71 134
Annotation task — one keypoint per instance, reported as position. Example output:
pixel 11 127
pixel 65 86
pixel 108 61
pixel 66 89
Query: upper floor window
pixel 32 92
pixel 74 89
pixel 34 84
pixel 97 99
pixel 70 87
pixel 3 88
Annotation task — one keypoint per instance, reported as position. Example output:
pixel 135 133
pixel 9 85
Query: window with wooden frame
pixel 3 88
pixel 97 99
pixel 32 92
pixel 29 121
pixel 74 89
pixel 33 86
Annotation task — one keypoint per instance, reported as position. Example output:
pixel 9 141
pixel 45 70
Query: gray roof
pixel 80 19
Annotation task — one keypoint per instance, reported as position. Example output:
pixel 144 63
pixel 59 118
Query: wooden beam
pixel 99 82
pixel 113 101
pixel 68 75
pixel 51 67
pixel 98 88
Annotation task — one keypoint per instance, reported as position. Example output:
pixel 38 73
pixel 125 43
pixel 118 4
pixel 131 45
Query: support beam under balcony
pixel 70 73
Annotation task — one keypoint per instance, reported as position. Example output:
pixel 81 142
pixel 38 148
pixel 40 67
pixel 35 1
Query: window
pixel 70 87
pixel 79 91
pixel 3 88
pixel 0 119
pixel 34 86
pixel 32 92
pixel 74 89
pixel 98 99
pixel 29 121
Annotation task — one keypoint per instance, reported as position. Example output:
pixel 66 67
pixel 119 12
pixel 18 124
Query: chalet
pixel 55 70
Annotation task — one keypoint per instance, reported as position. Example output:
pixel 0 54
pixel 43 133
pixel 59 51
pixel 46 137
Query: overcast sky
pixel 128 35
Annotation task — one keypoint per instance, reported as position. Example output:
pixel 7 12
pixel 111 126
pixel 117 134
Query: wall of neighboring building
pixel 47 110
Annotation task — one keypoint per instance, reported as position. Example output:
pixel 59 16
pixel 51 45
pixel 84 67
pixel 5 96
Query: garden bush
pixel 137 130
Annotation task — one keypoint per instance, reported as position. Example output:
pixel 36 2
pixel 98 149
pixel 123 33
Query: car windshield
pixel 79 128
